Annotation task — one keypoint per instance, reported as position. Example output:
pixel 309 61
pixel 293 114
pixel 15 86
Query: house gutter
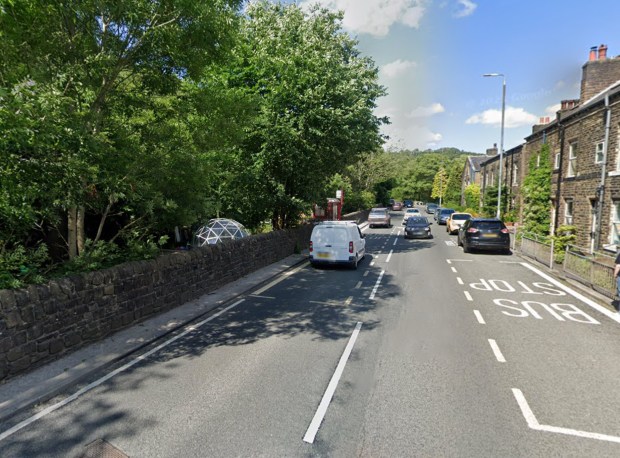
pixel 600 191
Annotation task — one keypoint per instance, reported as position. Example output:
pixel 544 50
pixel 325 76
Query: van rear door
pixel 331 243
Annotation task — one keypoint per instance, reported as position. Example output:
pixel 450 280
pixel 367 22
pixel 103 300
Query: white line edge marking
pixel 460 281
pixel 468 296
pixel 581 297
pixel 261 297
pixel 283 277
pixel 389 256
pixel 453 269
pixel 496 351
pixel 331 388
pixel 479 317
pixel 376 287
pixel 533 423
pixel 108 376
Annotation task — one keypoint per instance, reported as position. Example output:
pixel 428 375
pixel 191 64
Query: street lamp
pixel 501 143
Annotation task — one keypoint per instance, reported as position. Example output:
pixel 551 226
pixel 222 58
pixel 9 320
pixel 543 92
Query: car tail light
pixel 311 247
pixel 505 231
pixel 472 230
pixel 350 247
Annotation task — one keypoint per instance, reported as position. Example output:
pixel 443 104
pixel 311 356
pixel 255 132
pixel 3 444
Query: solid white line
pixel 374 290
pixel 460 281
pixel 283 277
pixel 459 260
pixel 453 269
pixel 572 292
pixel 359 284
pixel 261 297
pixel 533 423
pixel 108 376
pixel 496 351
pixel 479 317
pixel 468 296
pixel 389 256
pixel 331 388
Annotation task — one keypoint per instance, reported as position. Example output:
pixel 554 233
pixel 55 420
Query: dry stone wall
pixel 42 322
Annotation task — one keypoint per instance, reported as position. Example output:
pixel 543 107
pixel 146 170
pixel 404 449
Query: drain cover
pixel 102 449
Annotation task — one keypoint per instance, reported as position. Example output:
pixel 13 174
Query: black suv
pixel 484 234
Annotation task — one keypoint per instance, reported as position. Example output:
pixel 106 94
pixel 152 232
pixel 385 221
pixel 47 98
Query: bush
pixel 20 266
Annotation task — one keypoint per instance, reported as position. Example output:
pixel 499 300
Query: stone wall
pixel 42 322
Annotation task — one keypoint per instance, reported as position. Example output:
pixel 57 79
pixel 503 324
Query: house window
pixel 556 165
pixel 615 223
pixel 568 212
pixel 618 147
pixel 515 174
pixel 598 155
pixel 572 159
pixel 538 161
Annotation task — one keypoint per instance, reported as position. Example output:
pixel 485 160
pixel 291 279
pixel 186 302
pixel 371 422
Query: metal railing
pixel 592 269
pixel 537 247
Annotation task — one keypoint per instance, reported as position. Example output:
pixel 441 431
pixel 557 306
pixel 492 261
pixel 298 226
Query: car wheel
pixel 354 265
pixel 458 241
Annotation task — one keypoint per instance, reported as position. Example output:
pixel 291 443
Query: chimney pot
pixel 592 53
pixel 602 52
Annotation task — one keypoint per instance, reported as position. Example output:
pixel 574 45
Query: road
pixel 422 351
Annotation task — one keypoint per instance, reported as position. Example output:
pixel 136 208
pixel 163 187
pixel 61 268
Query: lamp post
pixel 501 143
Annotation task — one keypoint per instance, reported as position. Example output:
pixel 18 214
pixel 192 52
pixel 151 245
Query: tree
pixel 472 196
pixel 536 193
pixel 316 101
pixel 440 183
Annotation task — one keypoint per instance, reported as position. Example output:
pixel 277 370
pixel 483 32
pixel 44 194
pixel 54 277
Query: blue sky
pixel 432 55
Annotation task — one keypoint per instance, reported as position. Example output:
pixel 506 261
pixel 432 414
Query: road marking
pixel 374 290
pixel 115 372
pixel 532 422
pixel 348 300
pixel 613 315
pixel 261 297
pixel 453 269
pixel 283 277
pixel 460 281
pixel 468 296
pixel 450 261
pixel 389 256
pixel 359 285
pixel 366 273
pixel 331 388
pixel 479 317
pixel 450 242
pixel 496 351
pixel 395 241
pixel 372 263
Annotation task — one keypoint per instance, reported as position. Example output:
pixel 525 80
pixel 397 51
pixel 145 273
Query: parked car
pixel 418 227
pixel 444 214
pixel 391 203
pixel 410 212
pixel 455 221
pixel 379 217
pixel 484 234
pixel 337 242
pixel 397 206
pixel 408 203
pixel 430 208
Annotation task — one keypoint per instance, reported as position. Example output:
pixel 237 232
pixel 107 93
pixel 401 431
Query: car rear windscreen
pixel 489 225
pixel 330 234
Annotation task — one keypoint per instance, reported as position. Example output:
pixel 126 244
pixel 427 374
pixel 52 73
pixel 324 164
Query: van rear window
pixel 330 235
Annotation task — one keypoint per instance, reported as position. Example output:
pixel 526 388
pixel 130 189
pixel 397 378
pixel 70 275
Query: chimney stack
pixel 592 54
pixel 602 52
pixel 598 74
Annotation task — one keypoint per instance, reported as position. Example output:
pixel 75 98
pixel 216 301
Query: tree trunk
pixel 72 232
pixel 80 229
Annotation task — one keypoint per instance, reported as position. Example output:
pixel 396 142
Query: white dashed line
pixel 468 296
pixel 453 269
pixel 479 317
pixel 359 285
pixel 389 256
pixel 460 281
pixel 496 351
pixel 374 290
pixel 366 273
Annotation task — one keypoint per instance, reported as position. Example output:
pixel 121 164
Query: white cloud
pixel 411 137
pixel 559 85
pixel 396 68
pixel 468 8
pixel 425 112
pixel 553 109
pixel 514 117
pixel 375 17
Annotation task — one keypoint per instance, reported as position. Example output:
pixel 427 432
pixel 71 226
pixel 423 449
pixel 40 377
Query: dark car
pixel 430 208
pixel 443 214
pixel 484 234
pixel 408 203
pixel 418 227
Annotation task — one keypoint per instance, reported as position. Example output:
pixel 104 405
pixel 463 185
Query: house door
pixel 593 226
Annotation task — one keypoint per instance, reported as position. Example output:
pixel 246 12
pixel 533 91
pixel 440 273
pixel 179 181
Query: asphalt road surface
pixel 421 351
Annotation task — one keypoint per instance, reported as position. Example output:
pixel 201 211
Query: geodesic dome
pixel 219 229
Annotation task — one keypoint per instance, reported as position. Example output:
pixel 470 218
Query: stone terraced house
pixel 584 141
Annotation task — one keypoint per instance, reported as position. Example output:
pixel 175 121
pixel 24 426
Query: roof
pixel 476 161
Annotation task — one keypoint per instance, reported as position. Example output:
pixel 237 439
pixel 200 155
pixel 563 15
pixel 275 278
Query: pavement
pixel 42 384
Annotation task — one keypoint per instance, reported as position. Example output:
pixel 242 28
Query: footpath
pixel 42 384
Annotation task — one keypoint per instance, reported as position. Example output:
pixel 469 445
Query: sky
pixel 431 56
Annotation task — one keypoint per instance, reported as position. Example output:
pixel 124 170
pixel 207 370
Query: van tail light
pixel 310 248
pixel 350 247
pixel 472 230
pixel 504 231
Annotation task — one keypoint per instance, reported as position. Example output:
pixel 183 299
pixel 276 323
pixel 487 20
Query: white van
pixel 337 242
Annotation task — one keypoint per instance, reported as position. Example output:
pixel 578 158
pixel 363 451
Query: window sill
pixel 615 173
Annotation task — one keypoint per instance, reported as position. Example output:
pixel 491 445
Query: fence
pixel 595 270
